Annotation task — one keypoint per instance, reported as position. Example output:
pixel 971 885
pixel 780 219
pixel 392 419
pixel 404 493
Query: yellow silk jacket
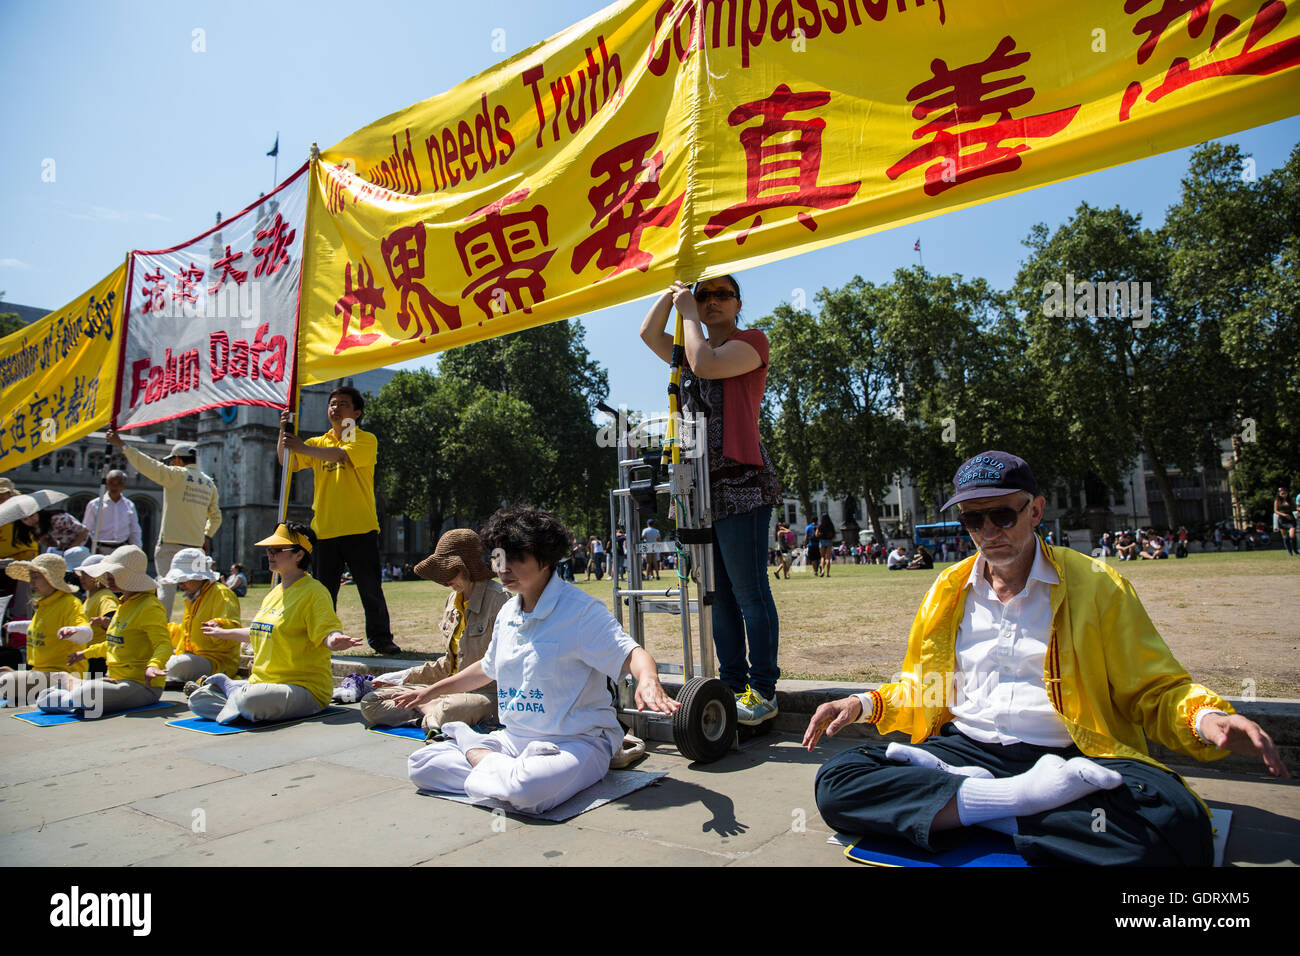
pixel 1107 671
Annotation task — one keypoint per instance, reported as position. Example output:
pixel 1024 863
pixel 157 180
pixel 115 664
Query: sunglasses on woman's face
pixel 722 295
pixel 279 550
pixel 1004 518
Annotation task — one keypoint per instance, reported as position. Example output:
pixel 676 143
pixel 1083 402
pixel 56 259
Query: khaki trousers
pixel 379 709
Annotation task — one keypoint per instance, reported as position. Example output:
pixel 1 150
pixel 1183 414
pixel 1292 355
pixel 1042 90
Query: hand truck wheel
pixel 704 726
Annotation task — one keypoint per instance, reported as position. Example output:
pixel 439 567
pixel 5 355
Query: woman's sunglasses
pixel 280 550
pixel 722 295
pixel 1004 518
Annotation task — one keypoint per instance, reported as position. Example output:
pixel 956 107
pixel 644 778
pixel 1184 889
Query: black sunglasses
pixel 1004 518
pixel 722 295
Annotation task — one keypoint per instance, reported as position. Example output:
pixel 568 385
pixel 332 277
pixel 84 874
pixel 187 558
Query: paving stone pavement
pixel 130 791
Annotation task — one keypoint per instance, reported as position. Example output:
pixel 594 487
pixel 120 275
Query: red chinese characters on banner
pixel 962 96
pixel 273 255
pixel 621 201
pixel 364 296
pixel 228 271
pixel 155 296
pixel 1253 60
pixel 504 255
pixel 784 168
pixel 403 252
pixel 186 282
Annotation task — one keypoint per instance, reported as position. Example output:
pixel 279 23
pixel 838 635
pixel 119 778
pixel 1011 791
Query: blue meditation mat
pixel 976 847
pixel 239 726
pixel 412 733
pixel 418 733
pixel 39 719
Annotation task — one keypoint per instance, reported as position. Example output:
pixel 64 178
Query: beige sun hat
pixel 92 567
pixel 52 567
pixel 129 568
pixel 190 564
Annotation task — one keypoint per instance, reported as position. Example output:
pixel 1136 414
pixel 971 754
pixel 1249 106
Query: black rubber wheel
pixel 704 727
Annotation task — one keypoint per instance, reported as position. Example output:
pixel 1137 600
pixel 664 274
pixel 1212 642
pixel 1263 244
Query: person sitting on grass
pixel 923 560
pixel 1155 549
pixel 467 623
pixel 57 608
pixel 136 645
pixel 898 559
pixel 553 653
pixel 206 600
pixel 292 636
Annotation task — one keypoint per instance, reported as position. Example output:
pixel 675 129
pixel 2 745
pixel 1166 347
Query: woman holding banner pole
pixel 726 374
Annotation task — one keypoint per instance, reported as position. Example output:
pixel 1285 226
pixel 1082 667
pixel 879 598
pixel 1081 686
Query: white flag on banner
pixel 213 322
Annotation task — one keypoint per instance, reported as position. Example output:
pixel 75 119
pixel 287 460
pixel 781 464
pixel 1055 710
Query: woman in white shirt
pixel 554 650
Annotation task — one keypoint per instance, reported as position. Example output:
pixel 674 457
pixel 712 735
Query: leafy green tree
pixel 784 424
pixel 1234 244
pixel 9 321
pixel 1121 383
pixel 451 448
pixel 549 369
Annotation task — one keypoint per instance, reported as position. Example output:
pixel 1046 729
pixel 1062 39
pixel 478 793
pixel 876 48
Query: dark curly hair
pixel 523 531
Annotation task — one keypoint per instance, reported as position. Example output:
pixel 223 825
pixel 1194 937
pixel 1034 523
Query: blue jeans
pixel 742 603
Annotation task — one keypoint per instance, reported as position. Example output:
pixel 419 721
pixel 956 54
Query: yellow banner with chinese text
pixel 57 375
pixel 683 138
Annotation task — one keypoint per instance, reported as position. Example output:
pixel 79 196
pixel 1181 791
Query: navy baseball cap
pixel 989 474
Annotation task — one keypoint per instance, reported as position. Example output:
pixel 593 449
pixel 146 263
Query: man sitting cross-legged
pixel 1032 675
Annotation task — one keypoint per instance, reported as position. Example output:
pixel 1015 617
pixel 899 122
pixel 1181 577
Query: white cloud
pixel 14 264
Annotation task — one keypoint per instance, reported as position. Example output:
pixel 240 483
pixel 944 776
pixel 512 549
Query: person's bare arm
pixel 652 327
pixel 471 678
pixel 727 360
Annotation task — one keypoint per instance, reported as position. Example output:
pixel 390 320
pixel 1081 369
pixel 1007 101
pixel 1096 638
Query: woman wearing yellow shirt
pixel 292 636
pixel 136 645
pixel 207 600
pixel 57 607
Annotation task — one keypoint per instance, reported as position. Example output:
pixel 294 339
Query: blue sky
pixel 150 138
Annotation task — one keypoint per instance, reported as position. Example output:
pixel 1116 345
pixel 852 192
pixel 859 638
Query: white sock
pixel 220 681
pixel 902 753
pixel 1051 782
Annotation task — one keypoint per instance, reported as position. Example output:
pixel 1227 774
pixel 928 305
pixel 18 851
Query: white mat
pixel 616 783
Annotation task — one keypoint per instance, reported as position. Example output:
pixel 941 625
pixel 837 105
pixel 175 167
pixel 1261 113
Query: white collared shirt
pixel 1000 652
pixel 118 523
pixel 551 666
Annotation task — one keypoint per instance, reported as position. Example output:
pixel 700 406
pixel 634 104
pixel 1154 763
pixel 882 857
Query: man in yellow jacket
pixel 1032 680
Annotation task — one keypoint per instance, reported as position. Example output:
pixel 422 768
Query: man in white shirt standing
pixel 118 523
pixel 191 511
pixel 1032 680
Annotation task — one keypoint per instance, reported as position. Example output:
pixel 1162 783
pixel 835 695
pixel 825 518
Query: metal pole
pixel 99 505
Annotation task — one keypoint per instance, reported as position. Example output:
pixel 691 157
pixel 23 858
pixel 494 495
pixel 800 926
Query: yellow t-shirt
pixel 11 547
pixel 137 639
pixel 215 602
pixel 100 604
pixel 46 651
pixel 344 496
pixel 288 634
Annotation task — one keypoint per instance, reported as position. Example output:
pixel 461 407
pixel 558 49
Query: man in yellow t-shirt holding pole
pixel 344 520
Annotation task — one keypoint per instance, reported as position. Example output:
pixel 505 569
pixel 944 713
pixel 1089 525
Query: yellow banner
pixel 57 374
pixel 656 141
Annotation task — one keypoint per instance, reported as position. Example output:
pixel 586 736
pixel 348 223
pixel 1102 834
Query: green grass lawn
pixel 1232 619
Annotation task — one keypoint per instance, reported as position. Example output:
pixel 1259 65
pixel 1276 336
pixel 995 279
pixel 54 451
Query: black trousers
pixel 1151 819
pixel 359 553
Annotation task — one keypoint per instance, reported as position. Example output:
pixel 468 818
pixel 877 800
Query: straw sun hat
pixel 128 565
pixel 458 550
pixel 52 567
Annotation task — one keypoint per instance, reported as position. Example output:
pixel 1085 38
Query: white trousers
pixel 529 775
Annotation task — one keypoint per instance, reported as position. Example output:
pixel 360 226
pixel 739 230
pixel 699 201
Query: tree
pixel 449 447
pixel 9 321
pixel 549 369
pixel 1234 255
pixel 785 424
pixel 1124 381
